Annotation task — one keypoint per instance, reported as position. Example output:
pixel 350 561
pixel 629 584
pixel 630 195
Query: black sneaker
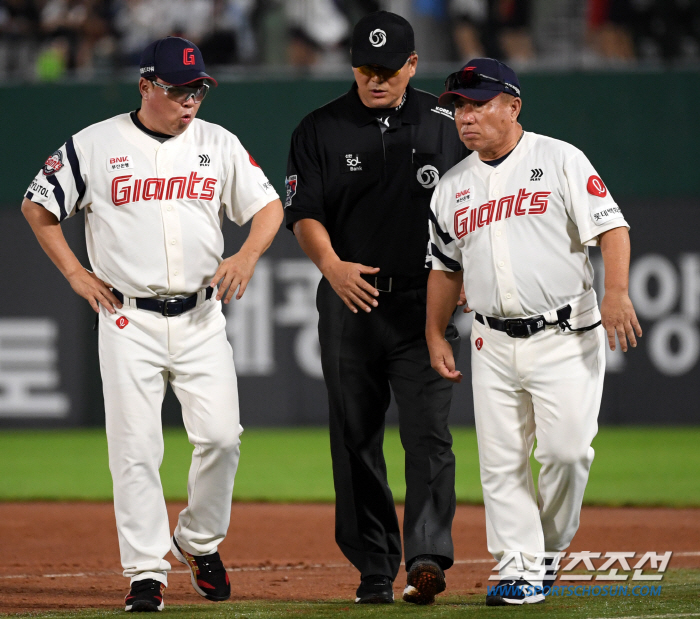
pixel 208 574
pixel 424 581
pixel 375 589
pixel 550 576
pixel 145 596
pixel 513 591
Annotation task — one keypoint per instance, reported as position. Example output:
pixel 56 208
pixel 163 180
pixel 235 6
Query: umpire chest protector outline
pixel 369 185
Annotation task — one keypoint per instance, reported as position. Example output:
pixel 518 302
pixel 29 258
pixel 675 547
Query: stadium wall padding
pixel 643 145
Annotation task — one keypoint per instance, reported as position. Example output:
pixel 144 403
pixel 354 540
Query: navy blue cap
pixel 175 61
pixel 384 39
pixel 481 79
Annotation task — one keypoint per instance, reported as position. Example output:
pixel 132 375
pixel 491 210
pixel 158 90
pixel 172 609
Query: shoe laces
pixel 209 564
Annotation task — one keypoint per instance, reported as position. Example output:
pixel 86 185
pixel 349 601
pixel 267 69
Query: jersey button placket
pixel 171 222
pixel 501 255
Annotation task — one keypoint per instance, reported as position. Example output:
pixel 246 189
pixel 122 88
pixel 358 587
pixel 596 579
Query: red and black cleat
pixel 145 596
pixel 209 577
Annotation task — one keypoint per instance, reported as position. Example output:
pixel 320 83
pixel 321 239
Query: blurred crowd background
pixel 51 39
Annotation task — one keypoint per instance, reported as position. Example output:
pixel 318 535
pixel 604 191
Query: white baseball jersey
pixel 519 231
pixel 153 210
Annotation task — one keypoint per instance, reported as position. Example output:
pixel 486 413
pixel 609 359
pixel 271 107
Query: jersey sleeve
pixel 246 189
pixel 61 183
pixel 443 253
pixel 304 182
pixel 591 207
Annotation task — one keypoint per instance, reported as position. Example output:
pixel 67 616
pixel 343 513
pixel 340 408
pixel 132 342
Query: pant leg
pixel 366 526
pixel 204 380
pixel 423 400
pixel 505 432
pixel 566 386
pixel 133 364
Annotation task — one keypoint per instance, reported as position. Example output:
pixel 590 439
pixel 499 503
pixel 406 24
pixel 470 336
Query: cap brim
pixel 473 94
pixel 182 78
pixel 393 61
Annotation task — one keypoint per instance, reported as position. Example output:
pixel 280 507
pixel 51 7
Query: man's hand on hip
pixel 618 315
pixel 346 280
pixel 94 290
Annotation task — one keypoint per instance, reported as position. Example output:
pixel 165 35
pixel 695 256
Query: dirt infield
pixel 65 555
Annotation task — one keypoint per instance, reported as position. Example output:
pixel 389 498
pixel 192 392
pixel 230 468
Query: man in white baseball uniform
pixel 154 185
pixel 514 221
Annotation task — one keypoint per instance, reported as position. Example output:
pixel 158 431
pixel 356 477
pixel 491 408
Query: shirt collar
pixel 361 116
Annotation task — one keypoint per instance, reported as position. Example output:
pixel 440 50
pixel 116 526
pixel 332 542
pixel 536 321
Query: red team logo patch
pixel 122 321
pixel 478 343
pixel 255 163
pixel 596 187
pixel 53 164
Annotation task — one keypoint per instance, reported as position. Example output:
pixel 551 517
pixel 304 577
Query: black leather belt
pixel 384 283
pixel 525 327
pixel 167 307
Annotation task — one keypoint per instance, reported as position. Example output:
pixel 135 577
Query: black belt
pixel 384 283
pixel 525 327
pixel 167 307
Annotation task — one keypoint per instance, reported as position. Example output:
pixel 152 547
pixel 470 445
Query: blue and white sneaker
pixel 514 591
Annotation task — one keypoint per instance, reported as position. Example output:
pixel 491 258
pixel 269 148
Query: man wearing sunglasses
pixel 513 223
pixel 360 175
pixel 154 185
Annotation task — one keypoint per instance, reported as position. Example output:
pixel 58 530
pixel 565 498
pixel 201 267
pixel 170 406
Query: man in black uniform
pixel 361 174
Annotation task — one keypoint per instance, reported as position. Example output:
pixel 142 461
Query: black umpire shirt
pixel 370 184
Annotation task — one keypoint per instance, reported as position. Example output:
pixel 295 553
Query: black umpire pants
pixel 363 355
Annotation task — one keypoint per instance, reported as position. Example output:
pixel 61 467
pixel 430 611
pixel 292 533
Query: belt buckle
pixel 172 302
pixel 376 284
pixel 517 322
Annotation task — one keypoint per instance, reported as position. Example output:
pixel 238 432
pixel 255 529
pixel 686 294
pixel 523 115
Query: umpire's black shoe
pixel 513 591
pixel 424 581
pixel 375 589
pixel 208 574
pixel 145 596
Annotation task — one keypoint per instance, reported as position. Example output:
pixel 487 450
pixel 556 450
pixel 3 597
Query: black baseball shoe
pixel 424 581
pixel 375 589
pixel 550 576
pixel 145 596
pixel 513 591
pixel 208 574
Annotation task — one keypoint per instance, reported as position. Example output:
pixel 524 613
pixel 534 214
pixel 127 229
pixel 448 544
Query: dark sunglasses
pixel 470 79
pixel 182 94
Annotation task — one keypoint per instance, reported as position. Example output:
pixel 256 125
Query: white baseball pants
pixel 136 361
pixel 547 387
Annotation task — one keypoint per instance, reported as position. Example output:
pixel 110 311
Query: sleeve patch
pixel 267 186
pixel 604 214
pixel 39 189
pixel 290 184
pixel 596 187
pixel 53 164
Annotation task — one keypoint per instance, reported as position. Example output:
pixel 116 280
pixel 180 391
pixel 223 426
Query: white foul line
pixel 303 566
pixel 653 616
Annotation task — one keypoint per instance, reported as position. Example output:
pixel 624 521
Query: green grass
pixel 678 598
pixel 633 466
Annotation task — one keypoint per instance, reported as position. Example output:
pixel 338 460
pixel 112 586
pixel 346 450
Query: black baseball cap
pixel 481 79
pixel 174 60
pixel 384 39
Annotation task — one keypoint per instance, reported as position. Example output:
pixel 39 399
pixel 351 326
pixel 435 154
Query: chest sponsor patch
pixel 267 186
pixel 38 189
pixel 603 214
pixel 596 187
pixel 350 163
pixel 290 185
pixel 463 196
pixel 119 162
pixel 53 164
